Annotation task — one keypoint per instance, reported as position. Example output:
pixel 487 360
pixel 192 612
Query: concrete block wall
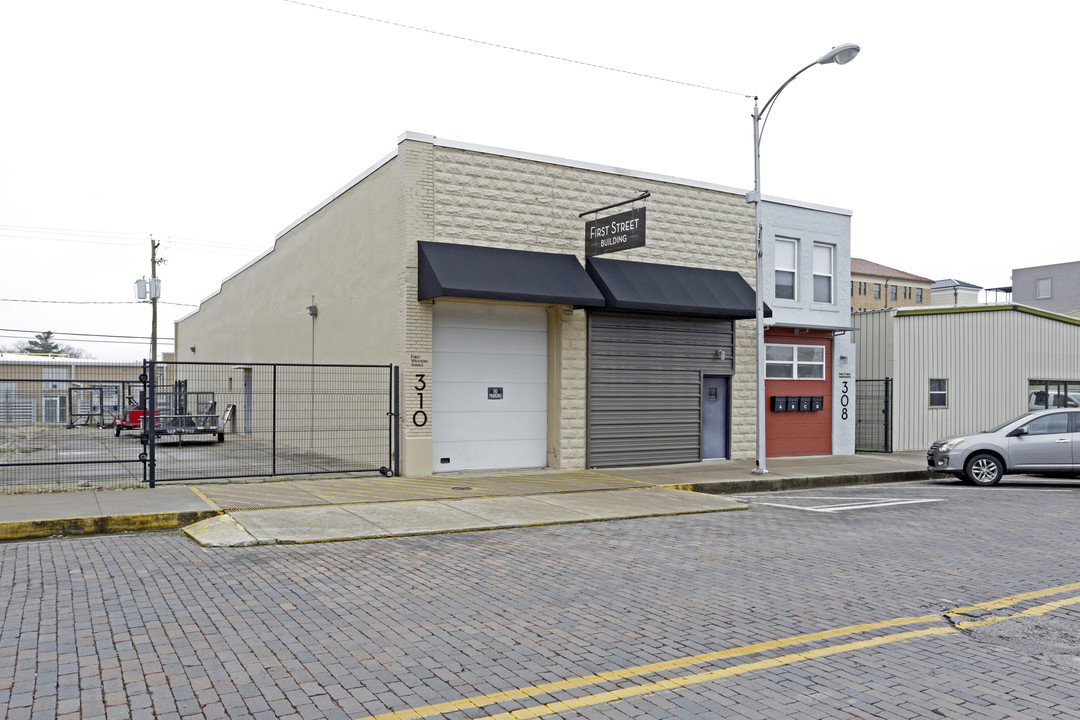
pixel 495 198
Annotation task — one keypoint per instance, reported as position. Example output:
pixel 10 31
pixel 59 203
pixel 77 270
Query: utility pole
pixel 154 292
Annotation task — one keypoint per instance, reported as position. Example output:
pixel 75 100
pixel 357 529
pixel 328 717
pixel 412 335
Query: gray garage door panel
pixel 644 389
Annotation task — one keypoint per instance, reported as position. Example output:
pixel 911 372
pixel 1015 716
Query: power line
pixel 96 342
pixel 36 332
pixel 96 302
pixel 518 50
pixel 121 239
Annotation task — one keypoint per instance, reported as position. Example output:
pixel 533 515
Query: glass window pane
pixel 779 352
pixel 811 353
pixel 939 385
pixel 785 285
pixel 822 289
pixel 1048 425
pixel 1042 288
pixel 785 255
pixel 823 260
pixel 812 372
pixel 777 371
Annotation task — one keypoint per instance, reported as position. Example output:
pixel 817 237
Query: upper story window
pixel 877 291
pixel 795 362
pixel 823 273
pixel 918 294
pixel 1042 288
pixel 892 292
pixel 786 261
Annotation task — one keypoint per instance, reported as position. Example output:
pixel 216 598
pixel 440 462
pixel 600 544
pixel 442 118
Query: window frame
pixel 877 291
pixel 1049 292
pixel 795 362
pixel 831 275
pixel 918 295
pixel 794 242
pixel 932 392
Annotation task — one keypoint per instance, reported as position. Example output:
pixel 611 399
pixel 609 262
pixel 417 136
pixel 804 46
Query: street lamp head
pixel 841 54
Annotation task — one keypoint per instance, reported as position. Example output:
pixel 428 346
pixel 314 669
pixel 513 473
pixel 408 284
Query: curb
pixel 772 484
pixel 29 529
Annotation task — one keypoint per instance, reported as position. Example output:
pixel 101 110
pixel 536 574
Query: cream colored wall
pixel 341 259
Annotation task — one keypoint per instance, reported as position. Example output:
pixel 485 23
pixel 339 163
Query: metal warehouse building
pixel 962 369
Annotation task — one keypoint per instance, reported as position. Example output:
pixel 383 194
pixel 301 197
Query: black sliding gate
pixel 873 415
pixel 122 425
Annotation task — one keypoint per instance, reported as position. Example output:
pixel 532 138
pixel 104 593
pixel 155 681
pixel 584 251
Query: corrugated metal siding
pixel 644 387
pixel 873 344
pixel 987 357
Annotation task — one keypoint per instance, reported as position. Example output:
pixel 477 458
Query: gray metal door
pixel 715 417
pixel 644 385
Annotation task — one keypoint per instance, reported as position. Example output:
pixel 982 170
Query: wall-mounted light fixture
pixel 192 348
pixel 312 310
pixel 843 359
pixel 721 354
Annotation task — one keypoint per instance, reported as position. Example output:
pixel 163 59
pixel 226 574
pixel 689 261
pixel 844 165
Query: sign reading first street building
pixel 615 232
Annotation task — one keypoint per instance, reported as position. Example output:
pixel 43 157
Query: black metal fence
pixel 113 426
pixel 873 415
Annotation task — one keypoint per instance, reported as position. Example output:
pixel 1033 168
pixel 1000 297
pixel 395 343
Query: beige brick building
pixel 466 266
pixel 876 287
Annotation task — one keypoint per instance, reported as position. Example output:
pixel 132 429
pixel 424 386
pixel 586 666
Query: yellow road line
pixel 1030 612
pixel 626 673
pixel 645 688
pixel 681 682
pixel 1013 599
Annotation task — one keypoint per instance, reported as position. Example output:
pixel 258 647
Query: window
pixel 877 291
pixel 892 292
pixel 795 362
pixel 1042 288
pixel 939 393
pixel 1049 424
pixel 823 273
pixel 786 270
pixel 918 295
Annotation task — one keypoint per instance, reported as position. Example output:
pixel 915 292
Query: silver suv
pixel 1040 442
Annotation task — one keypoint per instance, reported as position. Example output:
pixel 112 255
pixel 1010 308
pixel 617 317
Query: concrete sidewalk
pixel 357 507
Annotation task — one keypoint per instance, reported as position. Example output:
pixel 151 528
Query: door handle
pixel 1061 440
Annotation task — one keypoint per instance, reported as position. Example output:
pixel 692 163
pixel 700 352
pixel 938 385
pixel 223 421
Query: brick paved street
pixel 651 618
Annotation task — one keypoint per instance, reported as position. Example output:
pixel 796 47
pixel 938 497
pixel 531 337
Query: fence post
pixel 151 415
pixel 888 415
pixel 273 422
pixel 395 420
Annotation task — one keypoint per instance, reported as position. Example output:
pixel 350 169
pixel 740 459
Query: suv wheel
pixel 984 469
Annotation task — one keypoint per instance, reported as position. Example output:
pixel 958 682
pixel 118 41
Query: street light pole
pixel 841 55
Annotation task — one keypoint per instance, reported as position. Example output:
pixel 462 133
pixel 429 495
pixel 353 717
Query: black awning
pixel 469 271
pixel 648 287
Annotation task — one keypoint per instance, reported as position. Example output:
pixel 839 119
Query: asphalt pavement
pixel 353 507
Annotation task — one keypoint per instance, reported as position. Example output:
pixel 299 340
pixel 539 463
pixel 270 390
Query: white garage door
pixel 489 396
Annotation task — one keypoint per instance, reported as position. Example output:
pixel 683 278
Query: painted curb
pixel 28 529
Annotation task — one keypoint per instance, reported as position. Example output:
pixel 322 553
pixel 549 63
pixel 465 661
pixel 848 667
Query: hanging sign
pixel 615 232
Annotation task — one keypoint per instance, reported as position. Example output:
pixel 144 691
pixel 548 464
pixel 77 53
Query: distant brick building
pixel 876 287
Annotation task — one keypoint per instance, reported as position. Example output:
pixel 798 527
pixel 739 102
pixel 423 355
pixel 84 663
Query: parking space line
pixel 598 698
pixel 850 506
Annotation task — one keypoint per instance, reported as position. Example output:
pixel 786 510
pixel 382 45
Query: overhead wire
pixel 511 48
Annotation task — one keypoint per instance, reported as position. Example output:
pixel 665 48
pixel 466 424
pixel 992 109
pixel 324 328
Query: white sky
pixel 214 124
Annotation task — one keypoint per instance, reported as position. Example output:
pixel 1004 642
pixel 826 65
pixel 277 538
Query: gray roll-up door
pixel 644 385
